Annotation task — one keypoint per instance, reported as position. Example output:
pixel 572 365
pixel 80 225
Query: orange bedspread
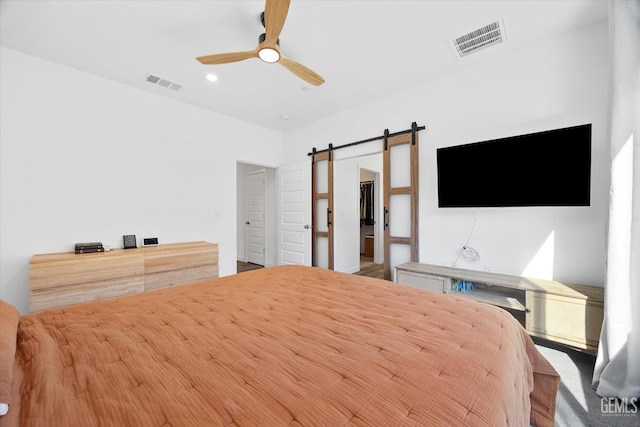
pixel 281 346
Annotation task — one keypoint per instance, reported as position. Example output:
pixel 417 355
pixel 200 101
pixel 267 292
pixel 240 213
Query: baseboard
pixel 351 270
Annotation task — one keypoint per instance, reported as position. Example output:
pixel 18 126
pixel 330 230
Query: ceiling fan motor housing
pixel 263 37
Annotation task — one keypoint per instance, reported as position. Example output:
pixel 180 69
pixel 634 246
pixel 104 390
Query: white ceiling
pixel 363 49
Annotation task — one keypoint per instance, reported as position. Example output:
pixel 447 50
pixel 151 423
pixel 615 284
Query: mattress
pixel 280 346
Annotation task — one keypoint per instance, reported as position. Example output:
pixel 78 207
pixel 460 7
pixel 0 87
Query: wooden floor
pixel 367 268
pixel 247 266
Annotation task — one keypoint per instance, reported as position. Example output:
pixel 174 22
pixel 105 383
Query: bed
pixel 279 346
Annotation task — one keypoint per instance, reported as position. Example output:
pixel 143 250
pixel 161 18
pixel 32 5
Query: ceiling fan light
pixel 269 55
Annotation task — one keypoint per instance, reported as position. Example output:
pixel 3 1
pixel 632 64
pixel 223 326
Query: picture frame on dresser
pixel 129 241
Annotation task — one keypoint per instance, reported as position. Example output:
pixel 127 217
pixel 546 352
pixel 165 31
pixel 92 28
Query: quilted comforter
pixel 280 346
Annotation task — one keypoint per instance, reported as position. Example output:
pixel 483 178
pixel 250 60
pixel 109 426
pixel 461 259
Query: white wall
pixel 88 159
pixel 547 85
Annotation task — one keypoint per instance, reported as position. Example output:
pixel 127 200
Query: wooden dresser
pixel 61 279
pixel 567 314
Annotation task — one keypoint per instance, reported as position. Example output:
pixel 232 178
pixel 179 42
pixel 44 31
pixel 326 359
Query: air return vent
pixel 163 82
pixel 488 35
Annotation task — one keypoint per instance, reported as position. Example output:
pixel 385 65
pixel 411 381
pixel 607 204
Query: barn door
pixel 400 166
pixel 322 212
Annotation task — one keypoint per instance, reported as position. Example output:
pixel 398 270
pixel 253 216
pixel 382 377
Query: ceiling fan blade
pixel 225 58
pixel 275 13
pixel 301 71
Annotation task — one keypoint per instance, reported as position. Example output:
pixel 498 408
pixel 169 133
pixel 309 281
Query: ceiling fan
pixel 268 50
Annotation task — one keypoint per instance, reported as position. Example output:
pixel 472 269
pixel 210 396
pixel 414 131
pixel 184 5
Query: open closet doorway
pixel 398 221
pixel 369 205
pixel 256 221
pixel 352 229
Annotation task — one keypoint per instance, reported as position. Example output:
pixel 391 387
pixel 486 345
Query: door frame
pixel 271 227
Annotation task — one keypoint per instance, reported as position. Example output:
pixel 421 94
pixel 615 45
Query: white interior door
pixel 255 211
pixel 294 213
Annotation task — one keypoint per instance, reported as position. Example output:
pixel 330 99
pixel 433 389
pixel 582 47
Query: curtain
pixel 617 370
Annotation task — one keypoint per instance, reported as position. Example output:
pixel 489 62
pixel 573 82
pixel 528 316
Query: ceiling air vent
pixel 163 82
pixel 479 39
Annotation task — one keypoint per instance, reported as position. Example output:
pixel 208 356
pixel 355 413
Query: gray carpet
pixel 577 403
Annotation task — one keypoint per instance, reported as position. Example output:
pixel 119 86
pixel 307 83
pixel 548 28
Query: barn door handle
pixel 328 217
pixel 386 214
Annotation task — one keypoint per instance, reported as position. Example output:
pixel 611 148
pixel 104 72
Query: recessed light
pixel 212 77
pixel 284 117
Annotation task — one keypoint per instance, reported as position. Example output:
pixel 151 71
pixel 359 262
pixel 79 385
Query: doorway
pixel 367 209
pixel 351 228
pixel 255 216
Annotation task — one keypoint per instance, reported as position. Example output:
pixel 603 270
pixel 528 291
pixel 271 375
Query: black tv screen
pixel 551 168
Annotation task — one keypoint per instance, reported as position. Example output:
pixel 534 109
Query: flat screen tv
pixel 550 168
